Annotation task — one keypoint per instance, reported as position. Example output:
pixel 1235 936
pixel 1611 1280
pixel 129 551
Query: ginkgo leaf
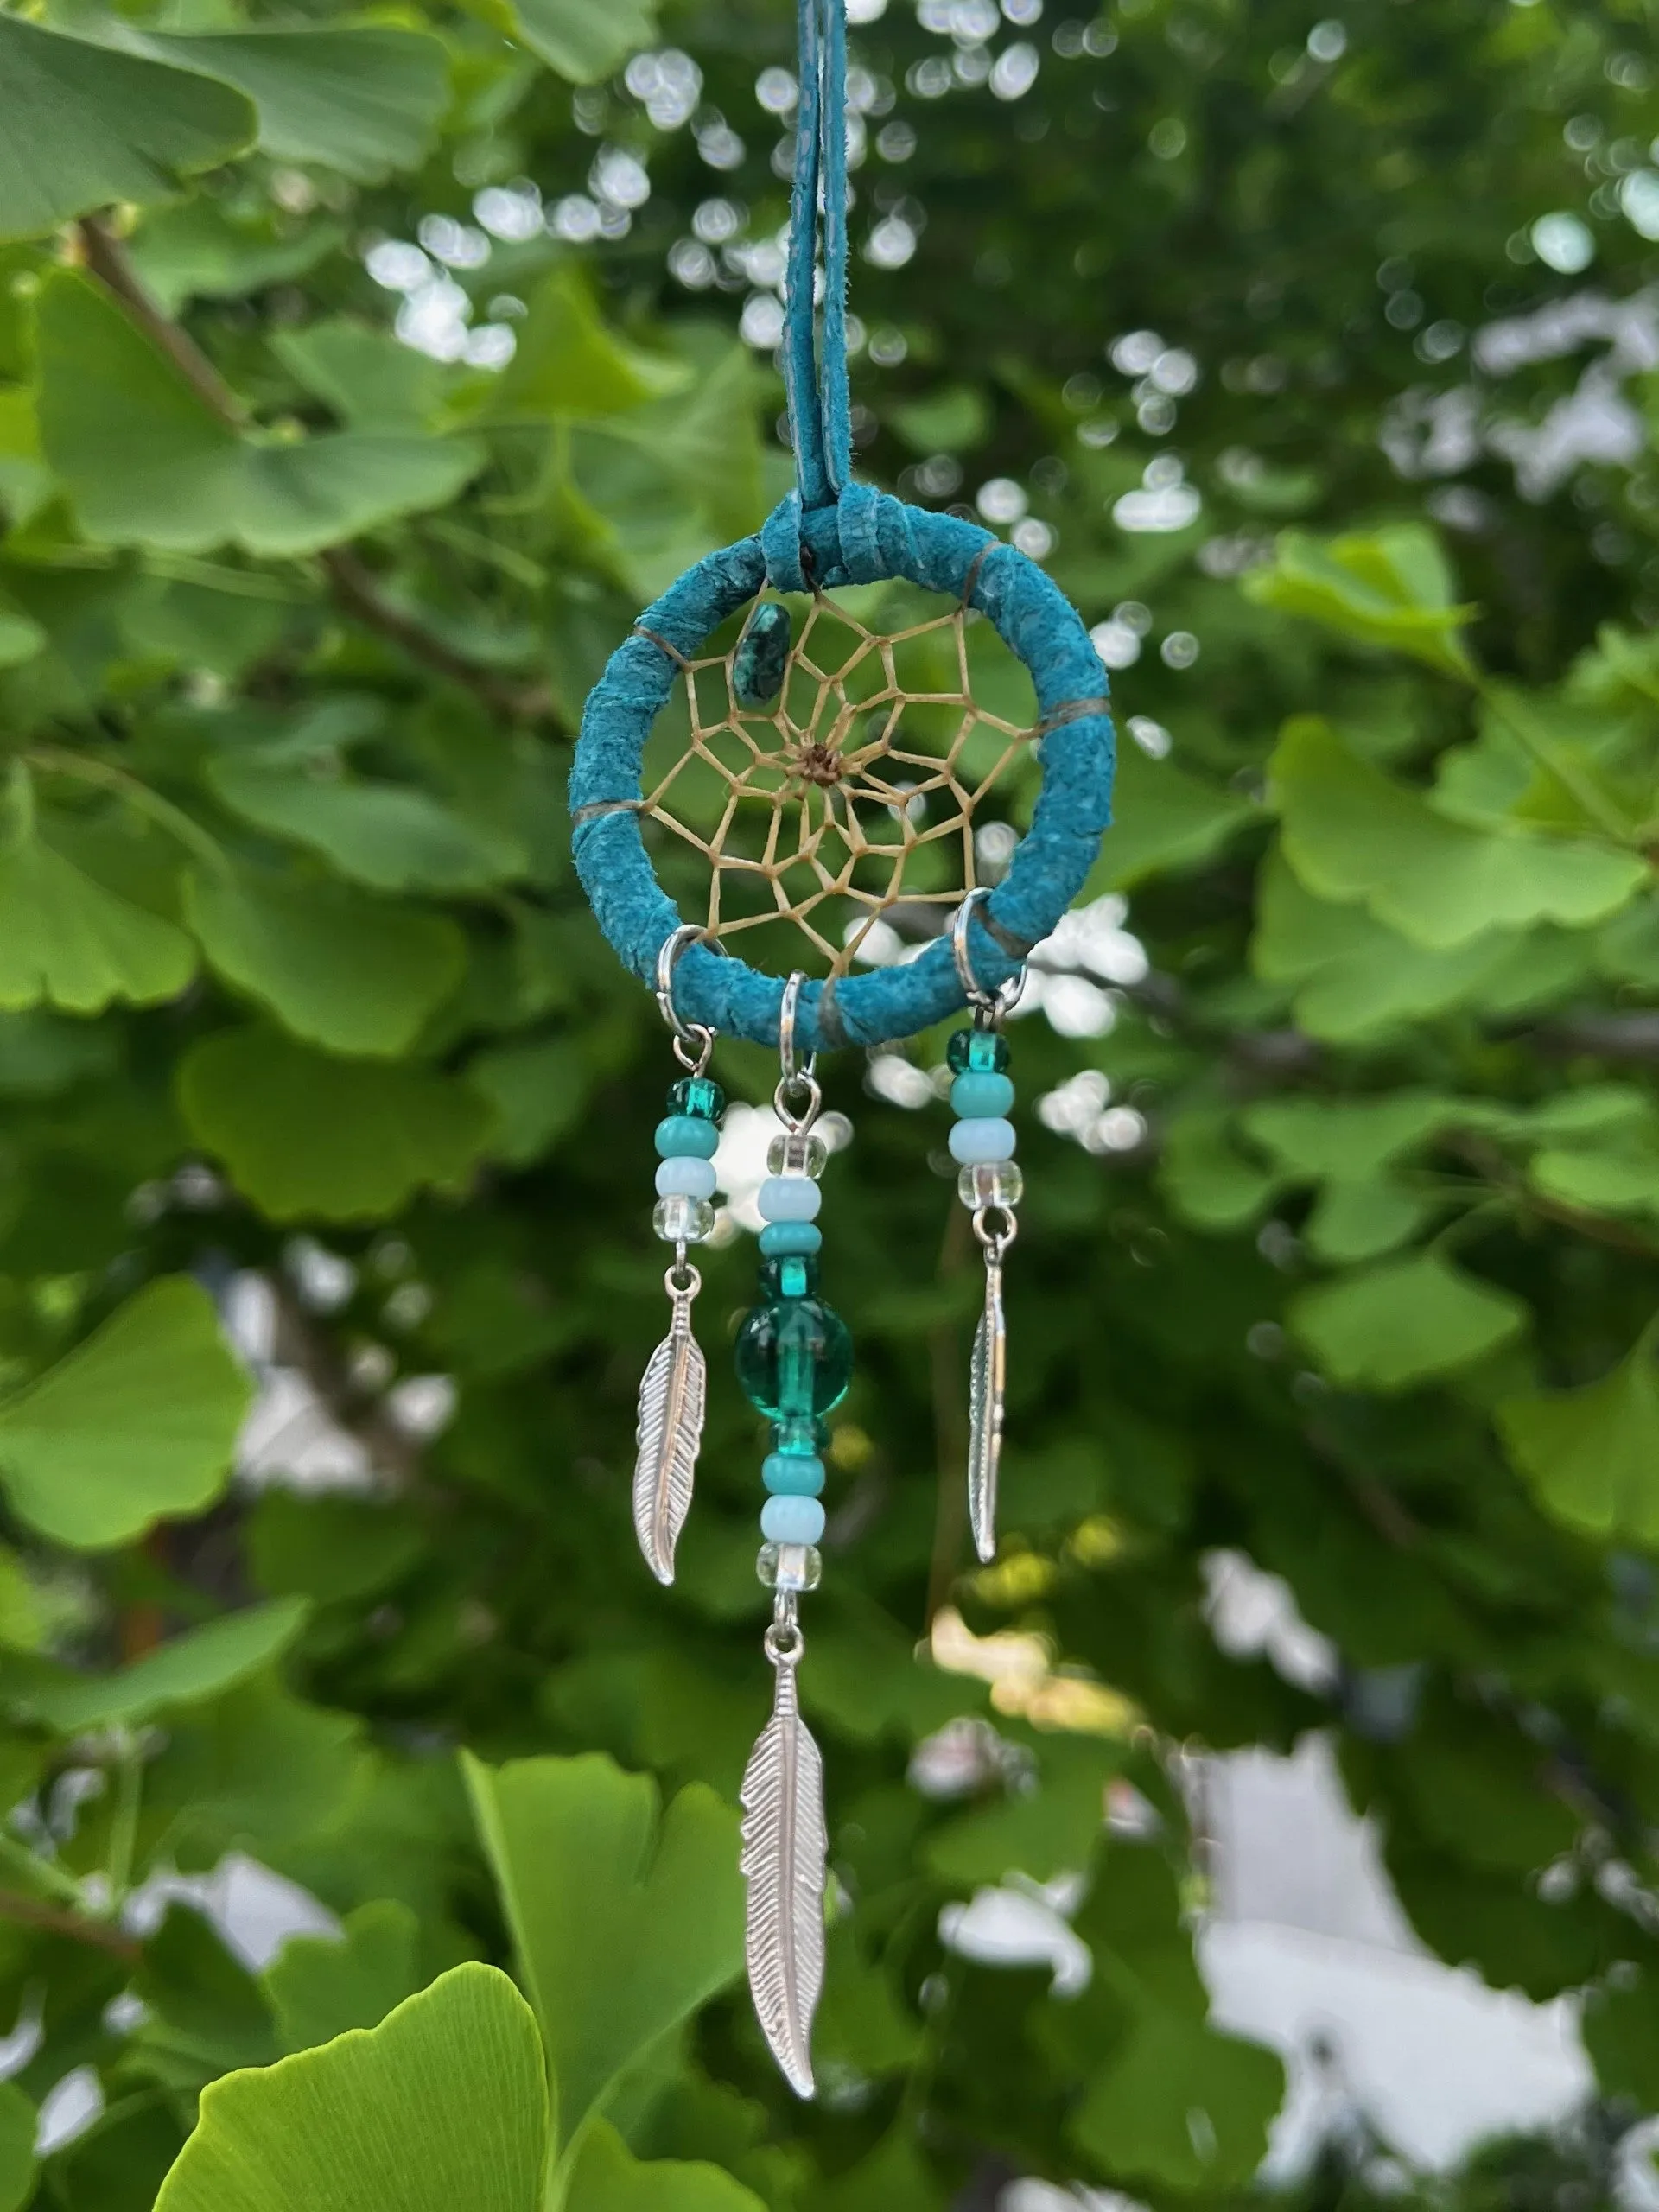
pixel 1591 1455
pixel 146 462
pixel 304 1133
pixel 67 941
pixel 1404 1321
pixel 389 837
pixel 82 126
pixel 354 974
pixel 189 1669
pixel 138 1421
pixel 583 40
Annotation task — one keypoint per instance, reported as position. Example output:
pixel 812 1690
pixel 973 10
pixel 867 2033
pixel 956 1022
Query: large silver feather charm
pixel 987 1381
pixel 671 1399
pixel 785 1845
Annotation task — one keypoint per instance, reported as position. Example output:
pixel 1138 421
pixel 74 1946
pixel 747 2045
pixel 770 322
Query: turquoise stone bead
pixel 687 1179
pixel 762 655
pixel 685 1136
pixel 792 1474
pixel 978 1050
pixel 792 1520
pixel 974 1142
pixel 700 1096
pixel 794 1357
pixel 976 1095
pixel 788 1197
pixel 794 1276
pixel 780 1239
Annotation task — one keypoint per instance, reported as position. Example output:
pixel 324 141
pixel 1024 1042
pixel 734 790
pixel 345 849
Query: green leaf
pixel 441 2106
pixel 328 1547
pixel 1389 588
pixel 21 637
pixel 1621 2033
pixel 1352 834
pixel 1362 1220
pixel 1355 979
pixel 82 126
pixel 367 102
pixel 606 2177
pixel 252 1770
pixel 321 1985
pixel 953 418
pixel 1212 1181
pixel 18 2121
pixel 1181 2104
pixel 304 1133
pixel 1163 820
pixel 146 462
pixel 202 250
pixel 585 40
pixel 201 1664
pixel 539 1092
pixel 568 363
pixel 353 974
pixel 623 1925
pixel 366 375
pixel 137 1422
pixel 1404 1322
pixel 388 836
pixel 1591 1455
pixel 1621 1177
pixel 1040 1832
pixel 1346 1139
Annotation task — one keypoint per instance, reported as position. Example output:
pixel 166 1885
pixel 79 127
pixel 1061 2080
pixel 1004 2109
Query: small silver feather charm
pixel 784 1846
pixel 987 1381
pixel 671 1399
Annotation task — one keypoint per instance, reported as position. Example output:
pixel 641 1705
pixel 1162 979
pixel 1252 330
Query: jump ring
pixel 991 1005
pixel 693 1040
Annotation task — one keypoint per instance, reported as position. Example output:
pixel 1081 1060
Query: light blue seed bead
pixel 788 1240
pixel 685 1177
pixel 978 1095
pixel 792 1520
pixel 974 1142
pixel 788 1197
pixel 686 1136
pixel 792 1474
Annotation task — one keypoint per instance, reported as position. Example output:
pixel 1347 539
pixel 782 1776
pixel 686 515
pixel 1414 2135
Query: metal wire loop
pixel 797 1082
pixel 693 1042
pixel 682 1280
pixel 782 1642
pixel 995 1240
pixel 989 1006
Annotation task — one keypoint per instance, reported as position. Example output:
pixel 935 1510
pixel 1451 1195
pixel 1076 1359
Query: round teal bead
pixel 686 1136
pixel 981 1050
pixel 792 1520
pixel 976 1142
pixel 792 1474
pixel 794 1357
pixel 783 1240
pixel 978 1096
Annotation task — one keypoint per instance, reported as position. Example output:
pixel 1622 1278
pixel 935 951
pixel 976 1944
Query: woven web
pixel 860 786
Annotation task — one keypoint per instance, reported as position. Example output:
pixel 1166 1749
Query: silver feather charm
pixel 670 1429
pixel 988 1378
pixel 785 1845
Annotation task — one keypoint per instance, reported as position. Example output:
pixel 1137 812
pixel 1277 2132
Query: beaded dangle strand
pixel 794 1362
pixel 674 1390
pixel 990 1184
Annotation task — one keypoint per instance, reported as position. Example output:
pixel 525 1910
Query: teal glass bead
pixel 794 1357
pixel 792 1520
pixel 978 1096
pixel 699 1095
pixel 780 1239
pixel 792 1276
pixel 686 1136
pixel 762 655
pixel 800 1436
pixel 792 1474
pixel 977 1052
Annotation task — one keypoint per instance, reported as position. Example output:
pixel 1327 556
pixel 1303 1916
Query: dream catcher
pixel 832 770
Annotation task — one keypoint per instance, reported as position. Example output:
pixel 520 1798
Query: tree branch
pixel 353 585
pixel 301 1344
pixel 78 1927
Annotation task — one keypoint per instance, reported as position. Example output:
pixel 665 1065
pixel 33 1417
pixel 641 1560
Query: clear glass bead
pixel 991 1182
pixel 790 1566
pixel 680 1220
pixel 796 1152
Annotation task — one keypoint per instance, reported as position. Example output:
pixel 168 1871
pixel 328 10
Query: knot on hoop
pixel 864 536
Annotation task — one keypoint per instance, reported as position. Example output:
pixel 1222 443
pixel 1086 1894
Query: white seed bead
pixel 788 1197
pixel 983 1139
pixel 683 1177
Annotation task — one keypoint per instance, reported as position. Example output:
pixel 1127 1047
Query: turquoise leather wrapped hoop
pixel 865 537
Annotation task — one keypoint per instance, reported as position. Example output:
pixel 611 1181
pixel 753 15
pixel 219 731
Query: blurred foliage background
pixel 362 376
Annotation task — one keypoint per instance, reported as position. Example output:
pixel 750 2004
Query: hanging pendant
pixel 672 1398
pixel 786 1843
pixel 987 1379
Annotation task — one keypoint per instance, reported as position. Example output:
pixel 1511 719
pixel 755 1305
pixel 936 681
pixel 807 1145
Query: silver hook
pixel 796 1081
pixel 988 1007
pixel 693 1040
